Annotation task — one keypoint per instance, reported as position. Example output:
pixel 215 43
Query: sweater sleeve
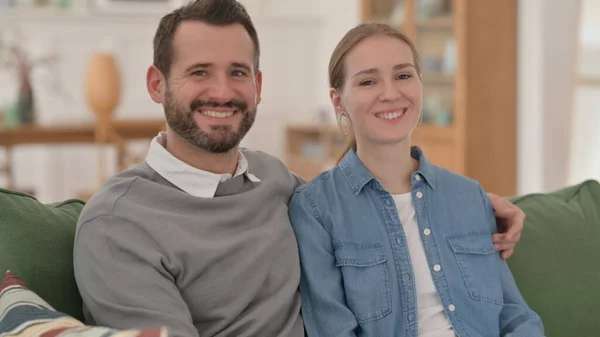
pixel 121 275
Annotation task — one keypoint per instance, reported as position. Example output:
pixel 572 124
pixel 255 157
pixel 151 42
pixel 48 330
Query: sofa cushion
pixel 555 263
pixel 36 242
pixel 24 313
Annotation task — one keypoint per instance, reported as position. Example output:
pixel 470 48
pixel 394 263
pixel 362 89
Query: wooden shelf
pixel 440 79
pixel 311 128
pixel 121 131
pixel 438 133
pixel 435 23
pixel 73 134
pixel 312 149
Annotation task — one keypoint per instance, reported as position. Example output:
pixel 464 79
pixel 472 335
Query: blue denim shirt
pixel 357 278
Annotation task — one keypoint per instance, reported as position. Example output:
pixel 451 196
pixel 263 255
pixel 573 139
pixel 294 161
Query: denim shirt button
pixel 419 195
pixel 418 177
pixel 427 231
pixel 411 317
pixel 451 307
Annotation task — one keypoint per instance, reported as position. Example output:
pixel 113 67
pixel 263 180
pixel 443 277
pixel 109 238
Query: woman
pixel 391 245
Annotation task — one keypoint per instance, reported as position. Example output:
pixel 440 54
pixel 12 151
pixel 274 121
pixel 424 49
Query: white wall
pixel 297 38
pixel 547 44
pixel 584 155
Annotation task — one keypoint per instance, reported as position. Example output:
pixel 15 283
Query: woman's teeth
pixel 218 114
pixel 390 115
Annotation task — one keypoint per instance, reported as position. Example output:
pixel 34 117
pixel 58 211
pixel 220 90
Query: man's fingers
pixel 499 202
pixel 505 255
pixel 506 212
pixel 515 227
pixel 508 236
pixel 505 238
pixel 503 208
pixel 501 247
pixel 510 220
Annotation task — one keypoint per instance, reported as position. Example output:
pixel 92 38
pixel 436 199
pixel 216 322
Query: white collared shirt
pixel 191 180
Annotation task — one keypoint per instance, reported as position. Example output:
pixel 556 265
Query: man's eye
pixel 238 73
pixel 404 76
pixel 199 73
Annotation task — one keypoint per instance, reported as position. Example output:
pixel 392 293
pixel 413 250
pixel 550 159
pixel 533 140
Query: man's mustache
pixel 237 104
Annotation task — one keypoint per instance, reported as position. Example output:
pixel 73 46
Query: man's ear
pixel 258 87
pixel 156 84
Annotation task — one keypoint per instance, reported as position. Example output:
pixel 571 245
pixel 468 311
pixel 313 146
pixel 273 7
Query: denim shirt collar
pixel 358 175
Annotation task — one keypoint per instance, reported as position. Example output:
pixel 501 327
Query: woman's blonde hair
pixel 337 69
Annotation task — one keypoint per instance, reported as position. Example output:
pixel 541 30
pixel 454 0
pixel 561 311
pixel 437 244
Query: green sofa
pixel 553 264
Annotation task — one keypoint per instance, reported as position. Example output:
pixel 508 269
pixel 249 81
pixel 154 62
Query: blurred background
pixel 511 98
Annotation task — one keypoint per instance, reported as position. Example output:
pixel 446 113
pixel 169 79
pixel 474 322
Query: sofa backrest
pixel 36 243
pixel 555 263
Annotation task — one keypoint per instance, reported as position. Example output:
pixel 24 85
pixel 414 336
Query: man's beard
pixel 222 138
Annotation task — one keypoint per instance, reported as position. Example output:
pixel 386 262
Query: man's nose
pixel 220 89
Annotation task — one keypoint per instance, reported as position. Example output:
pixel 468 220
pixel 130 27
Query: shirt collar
pixel 191 180
pixel 358 176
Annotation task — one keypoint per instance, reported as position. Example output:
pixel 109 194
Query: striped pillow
pixel 23 313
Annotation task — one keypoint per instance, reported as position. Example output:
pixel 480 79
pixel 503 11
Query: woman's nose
pixel 390 92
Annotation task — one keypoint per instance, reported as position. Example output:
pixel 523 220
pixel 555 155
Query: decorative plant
pixel 15 58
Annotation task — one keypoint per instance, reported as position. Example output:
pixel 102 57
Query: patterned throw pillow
pixel 24 313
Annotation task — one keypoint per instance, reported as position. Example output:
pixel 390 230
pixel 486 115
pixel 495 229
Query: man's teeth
pixel 390 115
pixel 218 114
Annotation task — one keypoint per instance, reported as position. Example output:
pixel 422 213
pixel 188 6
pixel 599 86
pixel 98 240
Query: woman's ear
pixel 336 100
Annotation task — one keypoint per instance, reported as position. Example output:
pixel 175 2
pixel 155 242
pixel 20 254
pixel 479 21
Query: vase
pixel 103 93
pixel 25 104
pixel 103 86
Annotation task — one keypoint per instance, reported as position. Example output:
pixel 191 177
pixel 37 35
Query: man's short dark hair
pixel 213 12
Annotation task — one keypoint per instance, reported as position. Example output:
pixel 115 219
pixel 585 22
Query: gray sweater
pixel 148 254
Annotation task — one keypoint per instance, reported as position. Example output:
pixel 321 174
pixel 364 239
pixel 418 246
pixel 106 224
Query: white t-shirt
pixel 433 321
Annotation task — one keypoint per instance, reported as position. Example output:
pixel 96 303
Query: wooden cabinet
pixel 468 51
pixel 468 59
pixel 311 149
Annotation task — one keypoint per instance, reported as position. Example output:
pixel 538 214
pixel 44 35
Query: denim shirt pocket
pixel 365 277
pixel 476 257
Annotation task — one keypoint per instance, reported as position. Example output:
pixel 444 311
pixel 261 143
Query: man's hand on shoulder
pixel 510 220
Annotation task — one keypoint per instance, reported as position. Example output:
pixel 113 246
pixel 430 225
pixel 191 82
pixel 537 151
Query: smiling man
pixel 197 237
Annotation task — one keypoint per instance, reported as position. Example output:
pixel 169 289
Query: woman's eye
pixel 367 82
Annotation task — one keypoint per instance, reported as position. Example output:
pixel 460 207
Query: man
pixel 197 237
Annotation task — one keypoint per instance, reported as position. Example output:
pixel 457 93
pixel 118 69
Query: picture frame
pixel 136 6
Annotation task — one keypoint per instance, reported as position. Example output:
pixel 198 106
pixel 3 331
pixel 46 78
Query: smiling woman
pixel 355 80
pixel 391 244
